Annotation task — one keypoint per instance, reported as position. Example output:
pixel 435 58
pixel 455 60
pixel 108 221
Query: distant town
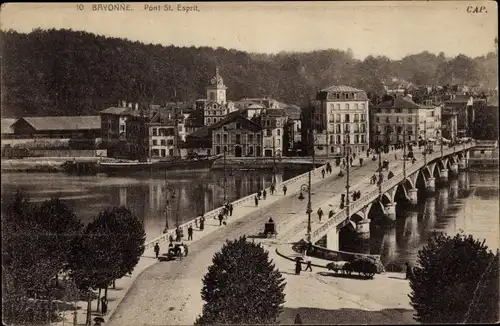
pixel 260 127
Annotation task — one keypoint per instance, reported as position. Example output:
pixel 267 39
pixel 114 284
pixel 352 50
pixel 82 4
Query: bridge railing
pixel 340 219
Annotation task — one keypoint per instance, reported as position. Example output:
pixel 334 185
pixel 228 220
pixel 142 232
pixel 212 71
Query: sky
pixel 393 29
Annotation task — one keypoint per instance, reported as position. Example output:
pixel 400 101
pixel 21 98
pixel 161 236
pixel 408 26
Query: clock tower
pixel 216 90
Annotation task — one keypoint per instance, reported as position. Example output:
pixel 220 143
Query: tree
pixel 109 248
pixel 242 286
pixel 456 282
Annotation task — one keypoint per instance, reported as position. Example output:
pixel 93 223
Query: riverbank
pixel 54 164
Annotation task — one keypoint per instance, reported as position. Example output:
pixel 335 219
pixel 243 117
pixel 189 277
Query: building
pixel 215 107
pixel 449 124
pixel 162 134
pixel 392 119
pixel 63 127
pixel 114 120
pixel 237 136
pixel 340 116
pixel 273 123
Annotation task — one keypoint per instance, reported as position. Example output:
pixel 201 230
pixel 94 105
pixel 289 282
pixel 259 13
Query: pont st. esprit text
pixel 169 7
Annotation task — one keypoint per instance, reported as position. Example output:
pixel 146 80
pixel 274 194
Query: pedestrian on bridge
pixel 256 201
pixel 360 161
pixel 259 194
pixel 395 156
pixel 190 232
pixel 264 194
pixel 157 250
pixel 298 266
pixel 309 264
pixel 284 190
pixel 196 223
pixel 221 217
pixel 320 214
pixel 351 160
pixel 202 223
pixel 331 213
pixel 323 173
pixel 231 209
pixel 272 188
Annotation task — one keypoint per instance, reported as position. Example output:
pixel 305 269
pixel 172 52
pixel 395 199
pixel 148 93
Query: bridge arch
pixel 401 194
pixel 359 216
pixel 421 182
pixel 426 172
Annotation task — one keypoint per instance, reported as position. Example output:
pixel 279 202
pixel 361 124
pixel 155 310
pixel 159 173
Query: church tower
pixel 216 90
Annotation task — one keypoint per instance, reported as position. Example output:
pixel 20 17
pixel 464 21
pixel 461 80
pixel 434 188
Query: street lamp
pixel 440 133
pixel 347 152
pixel 167 205
pixel 307 188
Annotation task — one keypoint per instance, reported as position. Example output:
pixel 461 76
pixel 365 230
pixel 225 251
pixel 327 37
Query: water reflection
pixel 144 195
pixel 468 204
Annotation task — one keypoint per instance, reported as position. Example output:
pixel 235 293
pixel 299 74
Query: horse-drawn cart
pixel 270 229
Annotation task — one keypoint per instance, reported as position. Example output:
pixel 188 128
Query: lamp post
pixel 425 142
pixel 404 150
pixel 440 132
pixel 167 202
pixel 380 168
pixel 304 188
pixel 347 185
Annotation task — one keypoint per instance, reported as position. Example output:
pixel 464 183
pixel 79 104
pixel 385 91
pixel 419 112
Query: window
pixel 378 119
pixel 250 138
pixel 225 138
pixel 155 142
pixel 155 132
pixel 238 139
pixel 250 150
pixel 170 142
pixel 337 118
pixel 224 128
pixel 363 139
pixel 346 127
pixel 170 152
pixel 217 150
pixel 363 127
pixel 258 138
pixel 331 107
pixel 208 121
pixel 347 118
pixel 217 138
pixel 238 126
pixel 356 127
pixel 363 117
pixel 356 139
pixel 338 139
pixel 163 142
pixel 332 139
pixel 225 148
pixel 269 132
pixel 387 119
pixel 362 106
pixel 337 128
pixel 278 143
pixel 279 132
pixel 356 117
pixel 347 96
pixel 337 106
pixel 122 128
pixel 337 95
pixel 347 139
pixel 356 106
pixel 347 106
pixel 215 106
pixel 398 110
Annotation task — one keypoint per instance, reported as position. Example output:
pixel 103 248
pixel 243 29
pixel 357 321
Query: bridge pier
pixel 431 185
pixel 443 175
pixel 390 211
pixel 332 239
pixel 462 166
pixel 413 196
pixel 363 228
pixel 454 169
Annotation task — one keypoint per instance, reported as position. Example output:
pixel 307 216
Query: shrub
pixel 456 282
pixel 242 286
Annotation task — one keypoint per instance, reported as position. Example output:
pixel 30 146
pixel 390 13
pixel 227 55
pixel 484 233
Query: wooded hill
pixel 65 72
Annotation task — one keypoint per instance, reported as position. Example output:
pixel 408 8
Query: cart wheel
pixel 368 275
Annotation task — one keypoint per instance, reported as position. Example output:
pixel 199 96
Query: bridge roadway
pixel 168 293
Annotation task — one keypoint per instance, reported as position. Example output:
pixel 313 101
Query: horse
pixel 336 266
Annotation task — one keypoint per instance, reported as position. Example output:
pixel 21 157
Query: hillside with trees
pixel 65 72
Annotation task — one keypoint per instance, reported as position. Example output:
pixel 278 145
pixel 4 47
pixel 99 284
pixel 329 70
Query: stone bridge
pixel 380 200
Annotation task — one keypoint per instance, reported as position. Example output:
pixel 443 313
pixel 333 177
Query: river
pixel 468 203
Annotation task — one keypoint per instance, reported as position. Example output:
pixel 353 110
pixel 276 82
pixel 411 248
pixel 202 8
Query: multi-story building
pixel 340 116
pixel 114 120
pixel 162 134
pixel 391 120
pixel 237 136
pixel 273 123
pixel 215 107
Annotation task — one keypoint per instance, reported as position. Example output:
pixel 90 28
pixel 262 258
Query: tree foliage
pixel 64 72
pixel 110 248
pixel 457 281
pixel 242 286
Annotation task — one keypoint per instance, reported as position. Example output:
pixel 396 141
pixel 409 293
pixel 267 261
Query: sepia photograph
pixel 207 163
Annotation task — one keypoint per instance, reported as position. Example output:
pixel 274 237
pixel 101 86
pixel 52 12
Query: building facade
pixel 237 136
pixel 273 123
pixel 340 116
pixel 215 107
pixel 164 140
pixel 401 117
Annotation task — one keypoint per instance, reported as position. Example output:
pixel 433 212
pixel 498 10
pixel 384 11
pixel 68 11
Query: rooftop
pixel 117 111
pixel 64 122
pixel 341 88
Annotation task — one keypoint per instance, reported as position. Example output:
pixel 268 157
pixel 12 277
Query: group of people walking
pixel 226 211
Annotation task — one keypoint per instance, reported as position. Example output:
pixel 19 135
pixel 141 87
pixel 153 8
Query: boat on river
pixel 174 164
